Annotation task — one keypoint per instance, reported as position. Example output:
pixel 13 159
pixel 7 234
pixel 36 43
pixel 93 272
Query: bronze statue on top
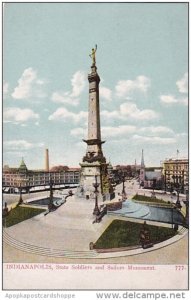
pixel 93 56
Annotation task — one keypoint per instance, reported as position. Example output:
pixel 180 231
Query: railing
pixel 40 184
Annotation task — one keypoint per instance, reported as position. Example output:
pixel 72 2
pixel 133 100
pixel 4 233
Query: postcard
pixel 95 147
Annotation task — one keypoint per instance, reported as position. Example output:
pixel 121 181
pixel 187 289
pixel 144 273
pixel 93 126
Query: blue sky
pixel 142 60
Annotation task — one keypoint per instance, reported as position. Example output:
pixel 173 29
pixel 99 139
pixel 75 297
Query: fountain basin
pixel 131 209
pixel 57 201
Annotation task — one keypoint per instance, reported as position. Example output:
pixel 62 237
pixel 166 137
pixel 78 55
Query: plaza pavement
pixel 71 227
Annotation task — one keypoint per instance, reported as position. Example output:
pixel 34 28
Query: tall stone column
pixel 94 162
pixel 94 142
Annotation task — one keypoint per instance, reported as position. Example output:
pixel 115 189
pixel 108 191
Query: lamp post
pixel 154 186
pixel 172 213
pixel 178 205
pixel 187 208
pixel 20 181
pixel 165 180
pixel 5 214
pixel 177 187
pixel 173 185
pixel 123 188
pixel 20 195
pixel 182 182
pixel 50 205
pixel 96 210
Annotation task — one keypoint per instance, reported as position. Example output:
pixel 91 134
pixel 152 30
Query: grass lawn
pixel 124 233
pixel 149 199
pixel 19 214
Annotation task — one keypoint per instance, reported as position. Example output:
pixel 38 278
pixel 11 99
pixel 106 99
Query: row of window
pixel 42 179
pixel 176 172
pixel 182 167
pixel 35 180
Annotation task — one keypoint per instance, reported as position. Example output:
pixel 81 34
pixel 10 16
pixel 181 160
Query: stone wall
pixel 114 206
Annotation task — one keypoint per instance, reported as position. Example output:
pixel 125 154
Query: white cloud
pixel 156 130
pixel 29 85
pixel 64 97
pixel 78 82
pixel 5 88
pixel 106 131
pixel 132 111
pixel 129 110
pixel 170 99
pixel 16 145
pixel 63 114
pixel 109 115
pixel 154 140
pixel 79 131
pixel 15 114
pixel 126 130
pixel 105 93
pixel 126 87
pixel 182 134
pixel 184 101
pixel 182 84
pixel 117 131
pixel 16 153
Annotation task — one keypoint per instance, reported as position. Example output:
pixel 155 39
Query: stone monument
pixel 94 163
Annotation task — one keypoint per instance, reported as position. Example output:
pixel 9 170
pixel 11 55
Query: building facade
pixel 176 174
pixel 151 177
pixel 26 179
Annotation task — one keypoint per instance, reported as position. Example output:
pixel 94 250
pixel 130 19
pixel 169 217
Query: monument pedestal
pixel 87 180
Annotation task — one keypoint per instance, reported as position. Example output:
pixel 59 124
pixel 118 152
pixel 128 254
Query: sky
pixel 142 60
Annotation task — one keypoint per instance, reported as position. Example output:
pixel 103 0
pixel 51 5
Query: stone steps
pixel 46 251
pixel 182 230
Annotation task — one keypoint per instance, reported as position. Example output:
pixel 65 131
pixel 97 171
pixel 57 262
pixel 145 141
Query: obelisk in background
pixel 46 160
pixel 94 162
